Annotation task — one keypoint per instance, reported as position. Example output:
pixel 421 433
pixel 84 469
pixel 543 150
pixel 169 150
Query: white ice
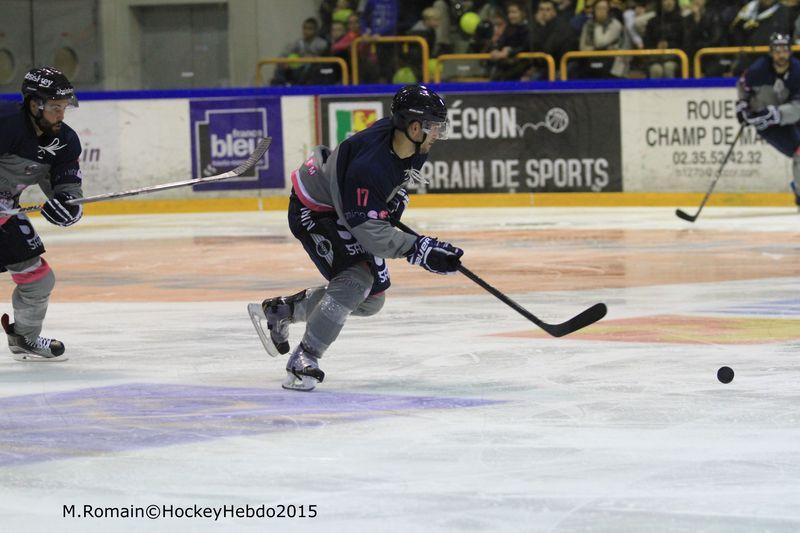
pixel 426 421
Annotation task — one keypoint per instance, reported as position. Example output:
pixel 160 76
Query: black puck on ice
pixel 725 374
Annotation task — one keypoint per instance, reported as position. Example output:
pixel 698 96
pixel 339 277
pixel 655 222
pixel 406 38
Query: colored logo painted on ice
pixel 97 421
pixel 686 329
pixel 226 131
pixel 347 118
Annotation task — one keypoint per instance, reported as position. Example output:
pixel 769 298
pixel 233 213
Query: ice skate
pixel 40 349
pixel 796 195
pixel 278 312
pixel 302 370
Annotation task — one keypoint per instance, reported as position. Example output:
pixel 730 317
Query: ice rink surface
pixel 445 412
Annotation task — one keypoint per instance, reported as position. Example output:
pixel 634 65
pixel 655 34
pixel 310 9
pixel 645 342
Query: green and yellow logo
pixel 347 118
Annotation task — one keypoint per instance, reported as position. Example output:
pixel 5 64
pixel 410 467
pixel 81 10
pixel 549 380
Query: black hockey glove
pixel 58 212
pixel 434 255
pixel 397 205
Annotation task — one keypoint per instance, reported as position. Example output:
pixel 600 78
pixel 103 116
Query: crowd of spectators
pixel 502 29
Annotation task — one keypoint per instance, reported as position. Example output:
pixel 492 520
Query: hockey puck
pixel 725 374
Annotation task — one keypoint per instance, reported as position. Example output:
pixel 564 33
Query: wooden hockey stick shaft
pixel 258 153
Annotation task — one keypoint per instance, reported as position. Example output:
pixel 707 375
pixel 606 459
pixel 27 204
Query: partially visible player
pixel 36 148
pixel 769 100
pixel 341 209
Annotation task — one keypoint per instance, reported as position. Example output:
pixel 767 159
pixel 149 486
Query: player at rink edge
pixel 341 209
pixel 769 100
pixel 36 147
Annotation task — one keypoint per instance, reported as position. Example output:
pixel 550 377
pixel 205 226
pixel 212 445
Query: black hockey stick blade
pixel 685 216
pixel 580 321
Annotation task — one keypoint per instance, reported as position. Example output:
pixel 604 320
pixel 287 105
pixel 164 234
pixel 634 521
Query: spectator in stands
pixel 487 34
pixel 603 32
pixel 796 32
pixel 636 17
pixel 550 34
pixel 326 8
pixel 343 35
pixel 379 18
pixel 426 28
pixel 665 30
pixel 409 14
pixel 759 19
pixel 582 13
pixel 309 45
pixel 342 11
pixel 514 39
pixel 703 29
pixel 340 41
pixel 565 10
pixel 793 11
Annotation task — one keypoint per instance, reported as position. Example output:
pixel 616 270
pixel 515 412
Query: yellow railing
pixel 551 63
pixel 728 50
pixel 280 60
pixel 426 53
pixel 614 53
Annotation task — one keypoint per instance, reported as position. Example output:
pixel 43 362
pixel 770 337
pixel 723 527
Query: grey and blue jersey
pixel 761 86
pixel 52 162
pixel 357 180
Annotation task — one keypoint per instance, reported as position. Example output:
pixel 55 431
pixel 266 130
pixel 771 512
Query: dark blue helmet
pixel 417 103
pixel 48 83
pixel 779 40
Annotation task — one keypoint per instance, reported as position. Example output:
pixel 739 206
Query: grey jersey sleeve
pixel 790 112
pixel 381 239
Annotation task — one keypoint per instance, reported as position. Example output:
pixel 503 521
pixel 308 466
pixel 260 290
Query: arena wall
pixel 602 145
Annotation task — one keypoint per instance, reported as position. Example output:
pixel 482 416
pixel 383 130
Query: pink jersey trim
pixel 305 198
pixel 36 274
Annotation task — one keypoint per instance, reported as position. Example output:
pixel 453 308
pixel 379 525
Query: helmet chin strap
pixel 417 145
pixel 39 116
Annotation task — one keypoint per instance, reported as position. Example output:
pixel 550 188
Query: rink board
pixel 609 146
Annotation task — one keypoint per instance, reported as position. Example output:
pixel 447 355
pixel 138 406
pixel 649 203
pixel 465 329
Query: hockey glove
pixel 761 120
pixel 58 212
pixel 742 110
pixel 397 205
pixel 434 255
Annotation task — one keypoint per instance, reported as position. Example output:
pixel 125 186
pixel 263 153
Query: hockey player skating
pixel 769 100
pixel 340 208
pixel 36 147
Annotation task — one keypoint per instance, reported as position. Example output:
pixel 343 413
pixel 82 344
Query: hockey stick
pixel 684 215
pixel 258 153
pixel 583 319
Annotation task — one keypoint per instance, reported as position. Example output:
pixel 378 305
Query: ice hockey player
pixel 769 100
pixel 341 209
pixel 36 147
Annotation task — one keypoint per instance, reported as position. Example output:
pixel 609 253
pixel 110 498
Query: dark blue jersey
pixel 369 173
pixel 761 73
pixel 761 86
pixel 27 159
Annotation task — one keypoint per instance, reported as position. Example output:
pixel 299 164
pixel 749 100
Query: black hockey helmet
pixel 780 40
pixel 48 83
pixel 417 103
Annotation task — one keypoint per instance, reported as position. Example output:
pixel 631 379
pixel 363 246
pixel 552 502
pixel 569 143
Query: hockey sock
pixel 345 292
pixel 35 281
